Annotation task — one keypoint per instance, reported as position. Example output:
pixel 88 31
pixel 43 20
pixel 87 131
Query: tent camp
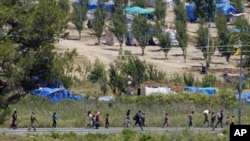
pixel 204 90
pixel 244 96
pixel 220 7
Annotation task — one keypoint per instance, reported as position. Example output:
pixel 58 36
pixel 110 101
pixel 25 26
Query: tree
pixel 164 41
pixel 141 32
pixel 140 3
pixel 79 15
pixel 27 49
pixel 181 27
pixel 200 9
pixel 119 27
pixel 160 11
pixel 99 21
pixel 224 36
pixel 238 4
pixel 201 43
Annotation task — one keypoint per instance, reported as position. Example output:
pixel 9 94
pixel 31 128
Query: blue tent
pixel 221 1
pixel 56 94
pixel 190 12
pixel 220 7
pixel 244 96
pixel 109 6
pixel 205 90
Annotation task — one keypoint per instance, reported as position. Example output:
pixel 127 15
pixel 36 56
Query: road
pixel 22 131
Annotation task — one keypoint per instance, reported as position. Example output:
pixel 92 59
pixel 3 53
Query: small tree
pixel 160 11
pixel 141 32
pixel 200 9
pixel 140 3
pixel 201 43
pixel 97 72
pixel 78 16
pixel 99 21
pixel 224 36
pixel 119 27
pixel 181 27
pixel 164 40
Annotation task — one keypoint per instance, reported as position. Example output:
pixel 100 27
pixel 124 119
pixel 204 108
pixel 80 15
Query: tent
pixel 56 94
pixel 190 12
pixel 220 7
pixel 138 10
pixel 221 1
pixel 155 89
pixel 244 96
pixel 205 90
pixel 150 3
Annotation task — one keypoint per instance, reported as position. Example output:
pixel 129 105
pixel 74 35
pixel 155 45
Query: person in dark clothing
pixel 54 119
pixel 138 119
pixel 14 120
pixel 190 119
pixel 33 120
pixel 213 116
pixel 220 119
pixel 165 120
pixel 203 69
pixel 206 119
pixel 107 121
pixel 97 120
pixel 143 119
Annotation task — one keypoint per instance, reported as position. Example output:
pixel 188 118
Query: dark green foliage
pixel 189 79
pixel 119 27
pixel 116 79
pixel 97 72
pixel 210 10
pixel 209 80
pixel 78 15
pixel 224 36
pixel 201 43
pixel 140 3
pixel 99 21
pixel 141 32
pixel 154 74
pixel 238 4
pixel 200 9
pixel 160 11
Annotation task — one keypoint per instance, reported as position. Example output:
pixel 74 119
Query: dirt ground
pixel 173 64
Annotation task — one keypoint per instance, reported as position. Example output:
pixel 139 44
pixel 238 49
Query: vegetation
pixel 181 27
pixel 119 27
pixel 79 15
pixel 140 3
pixel 99 21
pixel 224 36
pixel 126 135
pixel 160 11
pixel 141 32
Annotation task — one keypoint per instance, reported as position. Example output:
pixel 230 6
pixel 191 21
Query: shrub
pixel 97 72
pixel 189 79
pixel 209 80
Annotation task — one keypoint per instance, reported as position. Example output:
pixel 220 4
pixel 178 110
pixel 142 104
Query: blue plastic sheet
pixel 56 94
pixel 244 96
pixel 205 90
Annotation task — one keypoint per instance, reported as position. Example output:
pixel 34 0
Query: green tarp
pixel 138 10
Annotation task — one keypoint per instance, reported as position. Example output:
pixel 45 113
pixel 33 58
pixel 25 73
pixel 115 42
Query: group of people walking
pixel 211 123
pixel 33 121
pixel 139 118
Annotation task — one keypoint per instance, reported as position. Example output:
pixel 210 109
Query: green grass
pixel 126 135
pixel 74 114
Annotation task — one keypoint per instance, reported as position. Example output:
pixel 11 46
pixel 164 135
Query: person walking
pixel 206 113
pixel 143 119
pixel 190 119
pixel 213 117
pixel 13 124
pixel 97 120
pixel 165 120
pixel 220 119
pixel 232 120
pixel 54 119
pixel 33 120
pixel 107 121
pixel 138 119
pixel 90 119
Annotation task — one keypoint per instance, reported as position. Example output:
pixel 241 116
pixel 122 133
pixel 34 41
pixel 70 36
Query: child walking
pixel 107 121
pixel 33 120
pixel 165 120
pixel 54 118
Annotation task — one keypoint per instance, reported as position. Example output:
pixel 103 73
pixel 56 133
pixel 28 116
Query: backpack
pixel 135 117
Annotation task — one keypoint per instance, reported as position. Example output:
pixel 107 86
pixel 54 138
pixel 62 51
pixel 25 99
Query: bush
pixel 189 79
pixel 209 80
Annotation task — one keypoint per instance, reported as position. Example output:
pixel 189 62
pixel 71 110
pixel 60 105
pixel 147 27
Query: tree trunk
pixel 121 45
pixel 99 40
pixel 142 50
pixel 227 58
pixel 184 51
pixel 166 54
pixel 80 36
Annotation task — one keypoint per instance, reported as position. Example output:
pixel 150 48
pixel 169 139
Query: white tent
pixel 162 90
